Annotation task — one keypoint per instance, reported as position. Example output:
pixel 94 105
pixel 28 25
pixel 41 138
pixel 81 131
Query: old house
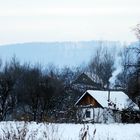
pixel 84 82
pixel 103 106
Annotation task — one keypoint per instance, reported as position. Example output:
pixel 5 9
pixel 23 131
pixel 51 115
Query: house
pixel 103 106
pixel 84 82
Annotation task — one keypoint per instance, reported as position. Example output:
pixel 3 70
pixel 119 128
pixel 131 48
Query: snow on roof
pixel 117 98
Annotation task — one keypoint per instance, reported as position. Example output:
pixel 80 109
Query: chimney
pixel 108 95
pixel 109 103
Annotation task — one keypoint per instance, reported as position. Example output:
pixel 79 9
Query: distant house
pixel 103 106
pixel 84 82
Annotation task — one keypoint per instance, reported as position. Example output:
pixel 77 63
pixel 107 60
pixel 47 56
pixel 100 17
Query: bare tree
pixel 7 98
pixel 130 77
pixel 127 64
pixel 101 66
pixel 137 31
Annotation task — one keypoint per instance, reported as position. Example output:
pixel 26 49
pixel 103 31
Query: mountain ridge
pixel 58 53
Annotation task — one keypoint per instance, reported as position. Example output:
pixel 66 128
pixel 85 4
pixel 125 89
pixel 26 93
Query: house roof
pixel 84 79
pixel 117 98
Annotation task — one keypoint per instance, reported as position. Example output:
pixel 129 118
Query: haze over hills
pixel 58 53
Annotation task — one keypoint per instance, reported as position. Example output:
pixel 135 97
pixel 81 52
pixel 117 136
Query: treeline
pixel 30 93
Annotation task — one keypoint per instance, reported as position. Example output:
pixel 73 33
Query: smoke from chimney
pixel 118 69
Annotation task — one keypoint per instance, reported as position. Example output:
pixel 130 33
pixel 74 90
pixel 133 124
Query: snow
pixel 119 98
pixel 47 131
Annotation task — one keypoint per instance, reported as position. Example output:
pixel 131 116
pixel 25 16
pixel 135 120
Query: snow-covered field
pixel 44 131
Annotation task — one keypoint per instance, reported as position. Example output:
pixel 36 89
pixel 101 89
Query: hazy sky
pixel 67 20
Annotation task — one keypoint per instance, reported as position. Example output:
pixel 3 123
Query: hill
pixel 58 53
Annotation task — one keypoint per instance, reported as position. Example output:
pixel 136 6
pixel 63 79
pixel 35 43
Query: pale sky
pixel 67 20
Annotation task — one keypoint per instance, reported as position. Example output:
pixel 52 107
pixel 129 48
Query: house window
pixel 87 114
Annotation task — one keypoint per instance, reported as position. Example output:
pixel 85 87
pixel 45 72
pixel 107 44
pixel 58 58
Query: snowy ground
pixel 43 131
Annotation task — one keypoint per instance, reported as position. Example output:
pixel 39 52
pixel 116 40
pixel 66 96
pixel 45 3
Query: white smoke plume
pixel 118 69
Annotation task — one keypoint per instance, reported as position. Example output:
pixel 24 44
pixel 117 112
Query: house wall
pixel 99 115
pixel 88 100
pixel 95 114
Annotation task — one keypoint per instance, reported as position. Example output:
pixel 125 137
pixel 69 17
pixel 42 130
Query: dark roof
pixel 84 79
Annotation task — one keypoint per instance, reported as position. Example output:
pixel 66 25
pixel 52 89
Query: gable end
pixel 87 99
